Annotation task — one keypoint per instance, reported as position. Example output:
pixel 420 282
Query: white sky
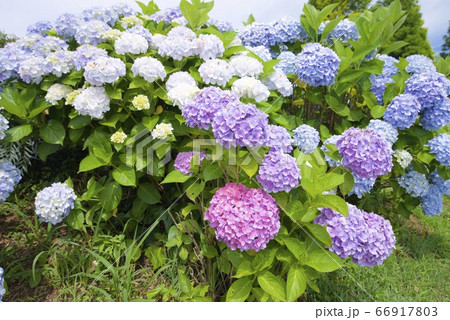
pixel 16 15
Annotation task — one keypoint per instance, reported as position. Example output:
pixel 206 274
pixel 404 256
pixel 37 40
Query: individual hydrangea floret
pixel 437 116
pixel 277 80
pixel 180 77
pixel 317 65
pixel 403 157
pixel 141 102
pixel 91 32
pixel 365 237
pixel 182 94
pixel 279 139
pixel 402 112
pixel 261 52
pixel 384 129
pixel 287 63
pixel 57 92
pixel 331 141
pixel 250 87
pixel 432 202
pixel 104 70
pixel 306 138
pixel 429 88
pixel 131 43
pixel 278 172
pixel 418 63
pixel 208 46
pixel 162 131
pixel 10 176
pixel 183 161
pixel 216 71
pixel 118 137
pixel 148 68
pixel 345 30
pixel 87 53
pixel 92 101
pixel 223 26
pixel 365 152
pixel 246 66
pixel 243 218
pixel 440 146
pixel 2 285
pixel 361 186
pixel 258 34
pixel 415 183
pixel 201 110
pixel 54 203
pixel 241 125
pixel 4 125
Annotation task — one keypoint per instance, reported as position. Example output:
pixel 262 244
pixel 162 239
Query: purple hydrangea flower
pixel 279 139
pixel 419 64
pixel 306 138
pixel 440 146
pixel 429 88
pixel 384 129
pixel 66 25
pixel 10 176
pixel 415 183
pixel 243 218
pixel 288 29
pixel 366 237
pixel 437 116
pixel 402 112
pixel 54 203
pixel 317 65
pixel 241 124
pixel 278 172
pixel 184 159
pixel 202 109
pixel 365 152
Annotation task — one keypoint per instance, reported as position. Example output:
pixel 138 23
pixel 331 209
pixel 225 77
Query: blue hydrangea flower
pixel 278 172
pixel 279 139
pixel 106 15
pixel 379 87
pixel 437 116
pixel 168 15
pixel 429 88
pixel 91 32
pixel 389 67
pixel 34 69
pixel 4 125
pixel 419 64
pixel 402 112
pixel 66 25
pixel 331 140
pixel 2 285
pixel 415 183
pixel 344 31
pixel 289 30
pixel 177 47
pixel 384 129
pixel 123 10
pixel 39 27
pixel 87 53
pixel 258 34
pixel 223 26
pixel 54 203
pixel 9 178
pixel 287 63
pixel 436 180
pixel 440 146
pixel 362 185
pixel 261 52
pixel 306 138
pixel 317 65
pixel 432 203
pixel 140 30
pixel 104 70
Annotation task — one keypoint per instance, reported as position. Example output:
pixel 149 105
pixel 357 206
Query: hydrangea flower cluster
pixel 279 139
pixel 331 140
pixel 434 118
pixel 277 80
pixel 419 64
pixel 148 68
pixel 104 70
pixel 182 94
pixel 86 54
pixel 118 137
pixel 288 30
pixel 384 129
pixel 278 172
pixel 250 87
pixel 162 131
pixel 261 52
pixel 244 66
pixel 201 110
pixel 365 237
pixel 2 285
pixel 306 138
pixel 403 157
pixel 54 203
pixel 243 218
pixel 436 180
pixel 287 63
pixel 4 125
pixel 180 77
pixel 317 65
pixel 168 15
pixel 141 102
pixel 440 146
pixel 92 101
pixel 429 88
pixel 432 201
pixel 209 46
pixel 222 26
pixel 379 82
pixel 258 34
pixel 362 185
pixel 402 112
pixel 130 42
pixel 216 71
pixel 415 183
pixel 91 32
pixel 143 32
pixel 57 92
pixel 365 152
pixel 9 178
pixel 240 125
pixel 184 159
pixel 345 30
pixel 33 69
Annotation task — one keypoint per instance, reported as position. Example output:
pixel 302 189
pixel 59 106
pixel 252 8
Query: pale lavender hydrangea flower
pixel 279 139
pixel 131 43
pixel 92 101
pixel 384 129
pixel 87 53
pixel 362 185
pixel 306 138
pixel 104 70
pixel 243 218
pixel 39 27
pixel 419 64
pixel 34 69
pixel 258 34
pixel 168 15
pixel 66 25
pixel 208 46
pixel 143 32
pixel 184 159
pixel 10 176
pixel 54 203
pixel 61 62
pixel 222 26
pixel 289 30
pixel 176 47
pixel 91 32
pixel 278 172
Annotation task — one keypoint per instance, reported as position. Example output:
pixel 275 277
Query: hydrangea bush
pixel 249 148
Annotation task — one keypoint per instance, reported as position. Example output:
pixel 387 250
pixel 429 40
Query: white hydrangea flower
pixel 141 102
pixel 176 47
pixel 182 94
pixel 112 34
pixel 92 101
pixel 54 203
pixel 118 137
pixel 131 21
pixel 251 88
pixel 181 21
pixel 61 62
pixel 149 68
pixel 403 157
pixel 156 41
pixel 246 66
pixel 280 82
pixel 57 92
pixel 216 71
pixel 209 46
pixel 104 70
pixel 183 32
pixel 131 43
pixel 162 131
pixel 178 78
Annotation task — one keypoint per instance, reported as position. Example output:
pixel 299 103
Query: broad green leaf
pixel 148 193
pixel 210 252
pixel 244 269
pixel 9 99
pixel 111 196
pixel 273 285
pixel 19 132
pixel 212 172
pixel 75 219
pixel 264 259
pixel 53 132
pixel 79 122
pixel 239 290
pixel 90 163
pixel 251 168
pixel 185 283
pixel 377 111
pixel 295 246
pixel 156 255
pixel 323 260
pixel 125 175
pixel 333 202
pixel 296 283
pixel 195 189
pixel 46 149
pixel 176 176
pixel 348 184
pixel 321 233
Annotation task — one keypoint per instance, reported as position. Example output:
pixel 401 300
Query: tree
pixel 344 7
pixel 445 49
pixel 412 31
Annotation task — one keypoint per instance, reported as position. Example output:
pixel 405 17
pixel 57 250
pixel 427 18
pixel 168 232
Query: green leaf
pixel 244 269
pixel 90 163
pixel 45 149
pixel 251 168
pixel 9 99
pixel 75 219
pixel 100 145
pixel 212 172
pixel 53 132
pixel 79 122
pixel 125 175
pixel 40 106
pixel 348 184
pixel 176 176
pixel 296 283
pixel 195 189
pixel 249 21
pixel 150 122
pixel 321 233
pixel 377 111
pixel 185 283
pixel 239 290
pixel 210 252
pixel 156 255
pixel 264 259
pixel 111 196
pixel 394 46
pixel 333 202
pixel 19 132
pixel 148 193
pixel 273 285
pixel 295 246
pixel 323 260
